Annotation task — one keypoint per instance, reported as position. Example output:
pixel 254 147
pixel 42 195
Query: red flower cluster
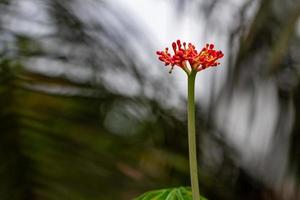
pixel 207 57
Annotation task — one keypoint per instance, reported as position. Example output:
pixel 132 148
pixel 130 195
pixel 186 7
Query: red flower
pixel 207 57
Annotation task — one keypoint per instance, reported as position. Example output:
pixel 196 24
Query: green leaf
pixel 181 193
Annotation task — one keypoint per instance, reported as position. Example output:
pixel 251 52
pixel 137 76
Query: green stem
pixel 192 136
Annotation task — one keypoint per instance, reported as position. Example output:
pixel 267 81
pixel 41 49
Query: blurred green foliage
pixel 74 138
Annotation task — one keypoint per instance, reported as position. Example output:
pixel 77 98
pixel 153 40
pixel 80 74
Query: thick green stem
pixel 192 136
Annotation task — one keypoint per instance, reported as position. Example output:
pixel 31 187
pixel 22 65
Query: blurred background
pixel 88 112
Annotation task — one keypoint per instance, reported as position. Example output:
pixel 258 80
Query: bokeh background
pixel 87 112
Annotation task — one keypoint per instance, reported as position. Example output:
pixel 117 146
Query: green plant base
pixel 180 193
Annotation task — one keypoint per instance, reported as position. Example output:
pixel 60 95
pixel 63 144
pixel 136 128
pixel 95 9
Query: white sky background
pixel 162 23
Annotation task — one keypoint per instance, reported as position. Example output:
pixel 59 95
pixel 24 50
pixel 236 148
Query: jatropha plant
pixel 191 61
